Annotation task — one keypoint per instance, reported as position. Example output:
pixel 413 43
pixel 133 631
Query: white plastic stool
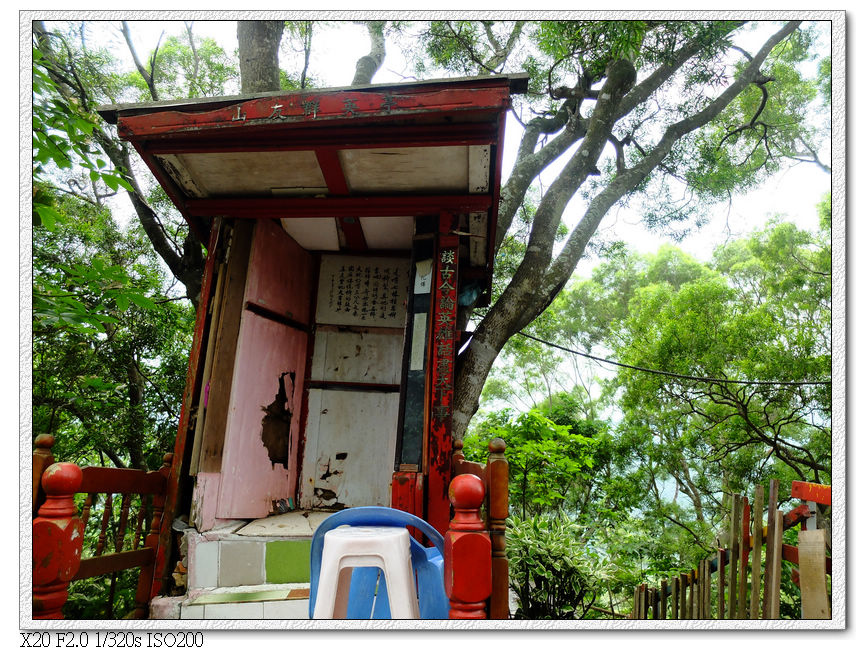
pixel 366 546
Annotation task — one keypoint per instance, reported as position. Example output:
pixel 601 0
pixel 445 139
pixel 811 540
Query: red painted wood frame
pixel 320 109
pixel 442 355
pixel 815 492
pixel 180 462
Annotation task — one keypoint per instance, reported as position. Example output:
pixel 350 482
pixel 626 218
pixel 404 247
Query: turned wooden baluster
pixel 148 587
pixel 139 524
pixel 57 538
pixel 497 512
pixel 103 529
pixel 468 551
pixel 42 459
pixel 124 521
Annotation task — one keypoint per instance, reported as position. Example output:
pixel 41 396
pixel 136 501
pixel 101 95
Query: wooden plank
pixel 372 357
pixel 722 555
pixel 363 291
pixel 775 588
pixel 262 429
pixel 742 605
pixel 663 609
pixel 791 554
pixel 812 575
pixel 770 549
pixel 690 579
pixel 311 107
pixel 674 599
pixel 735 514
pixel 104 564
pixel 684 612
pixel 280 274
pixel 121 481
pixel 756 550
pixel 214 321
pixel 815 492
pixel 407 495
pixel 219 389
pixel 335 206
pixel 350 448
pixel 381 136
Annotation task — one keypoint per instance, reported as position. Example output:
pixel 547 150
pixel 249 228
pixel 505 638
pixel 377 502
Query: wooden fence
pixel 130 503
pixel 729 584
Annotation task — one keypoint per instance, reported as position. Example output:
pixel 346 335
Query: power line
pixel 674 374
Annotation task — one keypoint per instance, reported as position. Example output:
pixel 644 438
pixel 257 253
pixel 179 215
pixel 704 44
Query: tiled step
pixel 267 551
pixel 286 601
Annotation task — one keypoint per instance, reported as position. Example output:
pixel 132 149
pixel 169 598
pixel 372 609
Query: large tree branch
pixel 527 296
pixel 623 183
pixel 145 74
pixel 663 72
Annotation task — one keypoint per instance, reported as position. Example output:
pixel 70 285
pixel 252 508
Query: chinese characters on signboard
pixel 362 291
pixel 443 334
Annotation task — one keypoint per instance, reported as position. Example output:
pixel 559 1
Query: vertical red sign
pixel 442 356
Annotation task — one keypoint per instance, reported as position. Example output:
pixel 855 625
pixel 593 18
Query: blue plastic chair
pixel 428 565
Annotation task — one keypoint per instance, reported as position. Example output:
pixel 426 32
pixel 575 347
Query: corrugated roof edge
pixel 518 84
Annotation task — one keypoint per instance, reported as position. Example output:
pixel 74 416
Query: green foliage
pixel 552 569
pixel 185 67
pixel 545 459
pixel 62 140
pixel 108 352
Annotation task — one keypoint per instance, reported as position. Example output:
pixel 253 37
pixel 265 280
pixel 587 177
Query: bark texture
pixel 258 47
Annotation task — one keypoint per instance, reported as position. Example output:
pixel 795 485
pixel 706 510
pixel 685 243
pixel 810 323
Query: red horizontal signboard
pixel 314 107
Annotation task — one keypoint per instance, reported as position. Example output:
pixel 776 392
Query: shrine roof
pixel 342 168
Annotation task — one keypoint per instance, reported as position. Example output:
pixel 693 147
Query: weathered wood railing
pixel 476 567
pixel 690 595
pixel 59 529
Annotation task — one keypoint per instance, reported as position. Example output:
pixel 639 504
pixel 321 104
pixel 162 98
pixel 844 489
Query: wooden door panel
pixel 251 478
pixel 350 446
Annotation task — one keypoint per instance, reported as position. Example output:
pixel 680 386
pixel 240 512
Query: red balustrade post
pixel 58 535
pixel 468 551
pixel 497 513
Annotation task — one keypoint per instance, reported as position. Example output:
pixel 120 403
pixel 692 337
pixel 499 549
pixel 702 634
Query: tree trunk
pixel 258 49
pixel 369 64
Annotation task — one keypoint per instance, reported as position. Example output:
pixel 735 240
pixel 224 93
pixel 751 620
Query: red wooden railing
pixel 58 528
pixel 476 567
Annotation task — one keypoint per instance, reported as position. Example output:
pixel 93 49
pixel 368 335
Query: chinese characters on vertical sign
pixel 443 335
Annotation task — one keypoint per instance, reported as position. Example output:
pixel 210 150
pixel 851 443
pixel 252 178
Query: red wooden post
pixel 58 535
pixel 42 459
pixel 149 577
pixel 497 513
pixel 468 551
pixel 442 359
pixel 194 371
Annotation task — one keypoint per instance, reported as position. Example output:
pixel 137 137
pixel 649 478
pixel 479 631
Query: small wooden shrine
pixel 346 229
